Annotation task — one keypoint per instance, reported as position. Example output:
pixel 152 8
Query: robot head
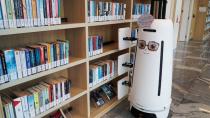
pixel 148 47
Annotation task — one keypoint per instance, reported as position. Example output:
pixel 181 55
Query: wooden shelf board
pixel 104 82
pixel 108 22
pixel 99 112
pixel 73 62
pixel 75 115
pixel 75 94
pixel 40 29
pixel 107 50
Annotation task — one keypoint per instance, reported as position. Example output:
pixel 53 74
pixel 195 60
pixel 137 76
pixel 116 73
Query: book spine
pixel 51 56
pixel 59 12
pixel 38 59
pixel 18 108
pixel 27 7
pixel 38 12
pixel 25 16
pixel 21 13
pixel 6 78
pixel 54 55
pixel 41 9
pixel 18 64
pixel 56 12
pixel 28 62
pixel 46 57
pixel 34 13
pixel 13 14
pixel 9 13
pixel 4 12
pixel 1 72
pixel 16 13
pixel 48 12
pixel 11 110
pixel 11 64
pixel 31 106
pixel 58 62
pixel 67 51
pixel 42 59
pixel 23 63
pixel 32 60
pixel 36 102
pixel 24 103
pixel 1 17
pixel 45 12
pixel 53 11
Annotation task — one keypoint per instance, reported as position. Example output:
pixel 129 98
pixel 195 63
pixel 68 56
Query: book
pixel 23 62
pixel 18 63
pixel 10 64
pixel 97 99
pixel 108 91
pixel 5 73
pixel 1 17
pixel 34 12
pixel 140 9
pixel 4 13
pixel 1 72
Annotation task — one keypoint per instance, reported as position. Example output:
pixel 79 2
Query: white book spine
pixel 18 108
pixel 54 95
pixel 25 106
pixel 23 63
pixel 2 79
pixel 11 110
pixel 18 64
pixel 42 12
pixel 4 12
pixel 53 12
pixel 59 92
pixel 63 91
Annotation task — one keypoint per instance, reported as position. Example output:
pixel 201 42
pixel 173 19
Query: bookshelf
pixel 76 30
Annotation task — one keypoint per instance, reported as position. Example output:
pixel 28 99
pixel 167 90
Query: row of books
pixel 101 71
pixel 139 9
pixel 29 13
pixel 37 99
pixel 105 92
pixel 104 11
pixel 158 8
pixel 95 45
pixel 22 62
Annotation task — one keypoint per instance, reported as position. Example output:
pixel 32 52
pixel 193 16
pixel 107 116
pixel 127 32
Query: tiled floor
pixel 191 83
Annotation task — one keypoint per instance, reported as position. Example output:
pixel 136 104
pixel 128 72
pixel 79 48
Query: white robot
pixel 150 95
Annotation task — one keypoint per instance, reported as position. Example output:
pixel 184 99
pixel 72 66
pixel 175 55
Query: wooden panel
pixel 78 76
pixel 77 38
pixel 74 10
pixel 200 20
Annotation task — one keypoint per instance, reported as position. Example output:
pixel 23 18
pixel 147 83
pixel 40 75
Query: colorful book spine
pixel 25 15
pixel 18 63
pixel 41 9
pixel 31 105
pixel 28 61
pixel 95 45
pixel 34 12
pixel 1 73
pixel 2 56
pixel 1 17
pixel 4 13
pixel 23 63
pixel 11 64
pixel 18 108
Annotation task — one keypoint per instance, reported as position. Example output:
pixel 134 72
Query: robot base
pixel 142 114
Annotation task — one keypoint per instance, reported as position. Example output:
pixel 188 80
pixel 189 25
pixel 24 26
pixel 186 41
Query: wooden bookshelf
pixel 76 30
